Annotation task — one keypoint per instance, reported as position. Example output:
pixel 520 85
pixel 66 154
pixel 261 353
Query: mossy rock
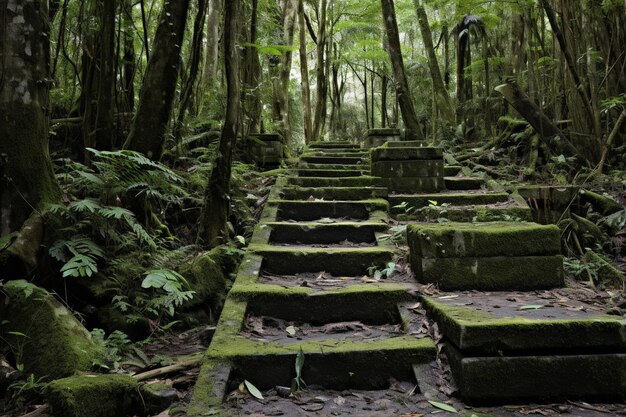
pixel 55 344
pixel 205 276
pixel 94 396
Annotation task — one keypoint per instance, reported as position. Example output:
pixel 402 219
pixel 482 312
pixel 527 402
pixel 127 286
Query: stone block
pixel 414 185
pixel 399 154
pixel 460 240
pixel 490 273
pixel 538 378
pixel 407 168
pixel 496 324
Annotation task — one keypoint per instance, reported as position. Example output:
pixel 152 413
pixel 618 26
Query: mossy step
pixel 385 153
pixel 333 193
pixel 335 261
pixel 464 183
pixel 412 168
pixel 414 185
pixel 361 181
pixel 413 201
pixel 491 323
pixel 325 233
pixel 314 210
pixel 332 173
pixel 337 152
pixel 459 240
pixel 306 165
pixel 452 170
pixel 327 145
pixel 516 209
pixel 344 160
pixel 538 378
pixel 499 273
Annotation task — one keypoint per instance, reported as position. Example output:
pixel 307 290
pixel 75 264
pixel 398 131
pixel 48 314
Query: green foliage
pixel 25 391
pixel 111 347
pixel 298 383
pixel 386 272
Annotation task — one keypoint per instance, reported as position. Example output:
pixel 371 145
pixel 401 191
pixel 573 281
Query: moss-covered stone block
pixel 333 193
pixel 414 185
pixel 315 210
pixel 408 168
pixel 320 233
pixel 335 159
pixel 386 153
pixel 513 210
pixel 460 240
pixel 491 273
pixel 94 396
pixel 464 183
pixel 333 145
pixel 333 173
pixel 54 343
pixel 538 378
pixel 407 144
pixel 340 262
pixel 492 324
pixel 415 201
pixel 452 170
pixel 361 181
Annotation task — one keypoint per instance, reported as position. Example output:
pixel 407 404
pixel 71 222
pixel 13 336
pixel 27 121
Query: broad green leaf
pixel 254 391
pixel 443 406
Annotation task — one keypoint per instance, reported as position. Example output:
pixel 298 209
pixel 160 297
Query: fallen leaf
pixel 531 307
pixel 443 406
pixel 254 391
pixel 291 330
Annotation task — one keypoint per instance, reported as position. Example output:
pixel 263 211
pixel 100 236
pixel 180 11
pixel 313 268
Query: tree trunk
pixel 212 43
pixel 322 83
pixel 214 217
pixel 147 134
pixel 27 182
pixel 252 76
pixel 289 24
pixel 128 74
pixel 537 119
pixel 411 124
pixel 194 66
pixel 98 79
pixel 441 94
pixel 304 76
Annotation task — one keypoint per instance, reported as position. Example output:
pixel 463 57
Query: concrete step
pixel 315 210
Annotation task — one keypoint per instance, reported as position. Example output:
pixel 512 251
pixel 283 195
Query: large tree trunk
pixel 289 23
pixel 252 76
pixel 216 206
pixel 128 73
pixel 304 77
pixel 441 94
pixel 413 129
pixel 212 43
pixel 194 66
pixel 147 134
pixel 322 84
pixel 26 170
pixel 535 117
pixel 99 79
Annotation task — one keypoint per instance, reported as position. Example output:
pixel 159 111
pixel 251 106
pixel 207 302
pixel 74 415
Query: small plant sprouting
pixel 386 272
pixel 298 383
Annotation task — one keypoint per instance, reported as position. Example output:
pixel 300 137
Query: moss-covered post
pixel 27 180
pixel 147 134
pixel 216 205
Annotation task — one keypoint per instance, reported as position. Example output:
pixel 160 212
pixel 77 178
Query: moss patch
pixel 93 396
pixel 56 344
pixel 206 277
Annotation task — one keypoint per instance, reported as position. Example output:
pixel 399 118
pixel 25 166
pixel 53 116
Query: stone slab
pixel 333 145
pixel 512 210
pixel 460 240
pixel 540 378
pixel 333 173
pixel 413 185
pixel 325 233
pixel 347 160
pixel 360 181
pixel 406 144
pixel 391 131
pixel 333 193
pixel 314 210
pixel 452 170
pixel 505 323
pixel 399 154
pixel 502 273
pixel 407 168
pixel 464 183
pixel 401 203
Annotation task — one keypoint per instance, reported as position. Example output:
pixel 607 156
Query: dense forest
pixel 136 141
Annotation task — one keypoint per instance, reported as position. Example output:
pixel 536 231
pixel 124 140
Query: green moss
pixel 445 240
pixel 334 193
pixel 361 181
pixel 93 396
pixel 210 389
pixel 454 199
pixel 502 273
pixel 56 344
pixel 474 330
pixel 206 277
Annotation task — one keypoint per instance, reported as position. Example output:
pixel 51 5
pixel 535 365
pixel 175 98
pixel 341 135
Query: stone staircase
pixel 315 268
